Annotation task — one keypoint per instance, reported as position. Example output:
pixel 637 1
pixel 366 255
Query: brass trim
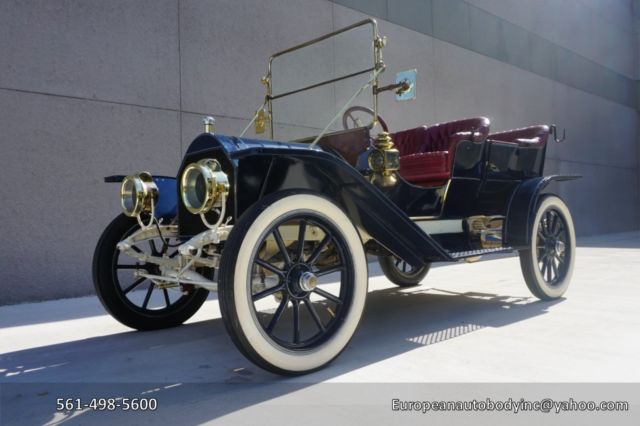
pixel 371 21
pixel 378 43
pixel 486 230
pixel 216 184
pixel 137 194
pixel 446 192
pixel 208 124
pixel 313 86
pixel 260 122
pixel 386 161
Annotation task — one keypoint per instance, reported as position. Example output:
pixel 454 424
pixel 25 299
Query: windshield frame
pixel 376 69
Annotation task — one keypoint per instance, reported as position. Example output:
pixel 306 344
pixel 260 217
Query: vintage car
pixel 282 226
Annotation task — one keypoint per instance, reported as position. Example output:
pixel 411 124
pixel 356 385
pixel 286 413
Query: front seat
pixel 427 153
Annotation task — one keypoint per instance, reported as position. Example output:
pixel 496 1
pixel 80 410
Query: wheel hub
pixel 559 248
pixel 308 281
pixel 301 281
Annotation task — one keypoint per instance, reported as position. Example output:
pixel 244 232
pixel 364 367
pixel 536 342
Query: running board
pixel 474 253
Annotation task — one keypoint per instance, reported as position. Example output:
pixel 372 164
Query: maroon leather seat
pixel 426 153
pixel 534 135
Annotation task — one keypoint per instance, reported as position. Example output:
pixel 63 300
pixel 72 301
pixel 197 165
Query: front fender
pixel 522 209
pixel 258 168
pixel 367 207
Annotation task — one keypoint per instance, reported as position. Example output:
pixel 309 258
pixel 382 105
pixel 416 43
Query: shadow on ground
pixel 196 369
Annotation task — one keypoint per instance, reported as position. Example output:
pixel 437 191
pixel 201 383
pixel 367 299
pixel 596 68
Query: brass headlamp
pixel 137 194
pixel 202 185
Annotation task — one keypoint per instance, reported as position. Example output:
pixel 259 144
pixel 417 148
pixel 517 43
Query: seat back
pixel 533 135
pixel 440 137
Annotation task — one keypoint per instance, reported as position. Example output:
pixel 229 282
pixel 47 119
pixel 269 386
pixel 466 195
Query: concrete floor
pixel 467 323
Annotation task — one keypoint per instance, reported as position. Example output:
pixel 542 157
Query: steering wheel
pixel 355 121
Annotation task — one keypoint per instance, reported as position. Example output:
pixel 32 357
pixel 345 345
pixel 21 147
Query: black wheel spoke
pixel 549 271
pixel 282 246
pixel 154 250
pixel 552 251
pixel 129 267
pixel 165 245
pixel 299 260
pixel 266 265
pixel 296 321
pixel 313 313
pixel 136 293
pixel 267 292
pixel 278 314
pixel 148 295
pixel 329 270
pixel 543 270
pixel 547 223
pixel 554 222
pixel 301 233
pixel 167 301
pixel 554 268
pixel 541 235
pixel 135 284
pixel 562 237
pixel 316 252
pixel 327 295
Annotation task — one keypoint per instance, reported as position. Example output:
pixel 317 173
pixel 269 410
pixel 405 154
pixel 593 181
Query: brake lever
pixel 554 132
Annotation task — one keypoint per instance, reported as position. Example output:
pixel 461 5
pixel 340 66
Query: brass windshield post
pixel 378 43
pixel 266 80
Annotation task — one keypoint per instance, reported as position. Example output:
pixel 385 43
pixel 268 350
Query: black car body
pixel 281 229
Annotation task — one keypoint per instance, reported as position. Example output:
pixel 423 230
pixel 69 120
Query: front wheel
pixel 136 301
pixel 293 282
pixel 547 265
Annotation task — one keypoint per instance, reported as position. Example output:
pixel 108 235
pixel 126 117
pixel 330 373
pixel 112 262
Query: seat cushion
pixel 425 168
pixel 426 153
pixel 534 135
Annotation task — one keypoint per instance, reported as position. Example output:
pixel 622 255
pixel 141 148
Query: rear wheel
pixel 547 265
pixel 293 282
pixel 136 301
pixel 402 273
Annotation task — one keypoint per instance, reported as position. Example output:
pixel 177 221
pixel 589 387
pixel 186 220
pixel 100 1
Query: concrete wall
pixel 91 88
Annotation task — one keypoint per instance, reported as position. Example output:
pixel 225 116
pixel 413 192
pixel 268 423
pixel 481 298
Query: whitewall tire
pixel 291 304
pixel 547 264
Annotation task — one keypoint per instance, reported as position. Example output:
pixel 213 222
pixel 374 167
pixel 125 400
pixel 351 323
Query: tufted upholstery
pixel 439 137
pixel 426 168
pixel 426 153
pixel 536 135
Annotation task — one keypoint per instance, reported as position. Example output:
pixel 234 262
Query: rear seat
pixel 534 135
pixel 426 153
